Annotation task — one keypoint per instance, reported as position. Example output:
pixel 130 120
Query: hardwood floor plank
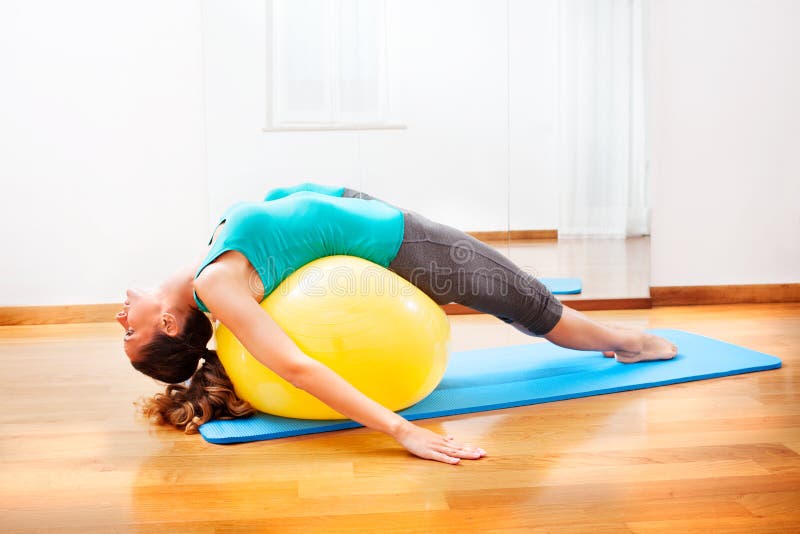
pixel 719 455
pixel 778 524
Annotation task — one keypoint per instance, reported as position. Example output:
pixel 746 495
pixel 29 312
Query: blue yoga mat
pixel 562 286
pixel 504 377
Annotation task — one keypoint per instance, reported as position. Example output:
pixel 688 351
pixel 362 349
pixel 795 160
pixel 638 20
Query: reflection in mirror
pixel 528 130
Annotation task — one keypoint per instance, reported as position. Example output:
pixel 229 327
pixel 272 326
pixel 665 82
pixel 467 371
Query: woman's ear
pixel 169 324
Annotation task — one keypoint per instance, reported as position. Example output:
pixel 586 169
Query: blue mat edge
pixel 344 425
pixel 547 282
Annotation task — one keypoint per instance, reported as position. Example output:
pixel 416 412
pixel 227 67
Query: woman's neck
pixel 180 287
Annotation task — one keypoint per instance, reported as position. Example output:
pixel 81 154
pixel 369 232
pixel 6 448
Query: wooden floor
pixel 719 455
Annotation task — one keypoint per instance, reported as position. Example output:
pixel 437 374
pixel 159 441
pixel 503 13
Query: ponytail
pixel 209 395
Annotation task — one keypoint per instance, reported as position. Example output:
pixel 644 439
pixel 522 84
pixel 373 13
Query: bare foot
pixel 646 347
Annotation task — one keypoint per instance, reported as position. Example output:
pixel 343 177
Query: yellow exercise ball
pixel 374 328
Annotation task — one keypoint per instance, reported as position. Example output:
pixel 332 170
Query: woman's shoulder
pixel 225 266
pixel 220 275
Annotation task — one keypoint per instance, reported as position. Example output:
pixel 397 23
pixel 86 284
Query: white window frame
pixel 332 117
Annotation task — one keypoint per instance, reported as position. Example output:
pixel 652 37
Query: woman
pixel 257 244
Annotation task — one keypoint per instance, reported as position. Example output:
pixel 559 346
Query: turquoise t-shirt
pixel 280 192
pixel 279 236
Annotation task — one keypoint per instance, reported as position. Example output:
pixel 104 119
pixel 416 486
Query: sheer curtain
pixel 601 157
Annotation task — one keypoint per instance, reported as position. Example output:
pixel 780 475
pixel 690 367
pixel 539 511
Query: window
pixel 327 64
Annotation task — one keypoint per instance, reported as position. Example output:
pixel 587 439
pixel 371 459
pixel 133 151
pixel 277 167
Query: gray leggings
pixel 449 265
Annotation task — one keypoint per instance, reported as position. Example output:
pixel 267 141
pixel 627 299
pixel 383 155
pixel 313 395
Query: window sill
pixel 334 127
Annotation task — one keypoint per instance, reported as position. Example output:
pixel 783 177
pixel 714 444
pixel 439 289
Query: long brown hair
pixel 174 360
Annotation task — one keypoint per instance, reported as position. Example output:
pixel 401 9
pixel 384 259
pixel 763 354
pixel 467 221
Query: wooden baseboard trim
pixel 513 235
pixel 640 303
pixel 643 303
pixel 104 313
pixel 659 296
pixel 77 313
pixel 729 294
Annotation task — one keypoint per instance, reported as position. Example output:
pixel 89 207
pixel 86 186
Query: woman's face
pixel 140 317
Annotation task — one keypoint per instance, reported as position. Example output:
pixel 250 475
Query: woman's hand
pixel 431 446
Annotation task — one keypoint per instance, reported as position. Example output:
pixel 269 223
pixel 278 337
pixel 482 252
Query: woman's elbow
pixel 298 372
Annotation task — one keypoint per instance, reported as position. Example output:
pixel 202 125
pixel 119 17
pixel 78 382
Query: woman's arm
pixel 269 344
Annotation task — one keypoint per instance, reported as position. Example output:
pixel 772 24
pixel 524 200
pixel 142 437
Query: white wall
pixel 448 83
pixel 725 131
pixel 101 147
pixel 106 177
